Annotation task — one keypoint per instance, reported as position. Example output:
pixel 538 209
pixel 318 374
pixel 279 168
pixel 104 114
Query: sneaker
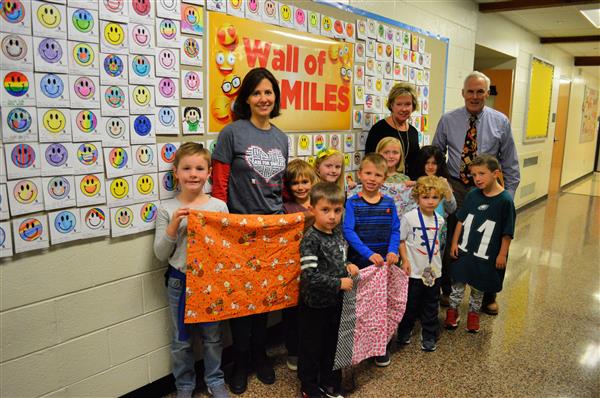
pixel 428 345
pixel 473 322
pixel 292 363
pixel 445 300
pixel 219 391
pixel 404 339
pixel 383 360
pixel 330 392
pixel 491 308
pixel 452 319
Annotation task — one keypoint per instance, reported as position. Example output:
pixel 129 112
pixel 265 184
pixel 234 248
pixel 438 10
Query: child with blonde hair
pixel 329 166
pixel 391 149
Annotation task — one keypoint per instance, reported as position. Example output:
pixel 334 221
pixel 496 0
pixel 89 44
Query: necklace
pixel 400 138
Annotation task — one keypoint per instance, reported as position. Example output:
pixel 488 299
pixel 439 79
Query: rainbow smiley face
pixel 148 212
pixel 19 120
pixel 145 184
pixel 124 217
pixel 56 155
pixel 114 34
pixel 141 96
pixel 65 222
pixel 87 154
pixel 83 20
pixel 14 47
pixel 12 11
pixel 54 121
pixel 191 48
pixel 168 29
pixel 144 155
pixel 16 84
pixel 59 188
pixel 52 85
pixel 50 50
pixel 25 192
pixel 86 121
pixel 119 188
pixel 167 153
pixel 31 229
pixel 113 65
pixel 94 218
pixel 168 182
pixel 118 158
pixel 114 96
pixel 49 16
pixel 84 88
pixel 83 54
pixel 90 185
pixel 23 155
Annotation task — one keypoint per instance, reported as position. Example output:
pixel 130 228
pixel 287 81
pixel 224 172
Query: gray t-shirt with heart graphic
pixel 258 159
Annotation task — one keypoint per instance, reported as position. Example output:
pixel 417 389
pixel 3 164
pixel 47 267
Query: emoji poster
pixel 314 82
pixel 241 264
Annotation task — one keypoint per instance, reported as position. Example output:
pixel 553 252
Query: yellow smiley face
pixel 303 142
pixel 327 23
pixel 54 121
pixel 145 184
pixel 113 34
pixel 141 95
pixel 378 84
pixel 119 188
pixel 49 16
pixel 286 13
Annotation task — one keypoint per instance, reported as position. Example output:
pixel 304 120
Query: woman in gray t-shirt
pixel 248 165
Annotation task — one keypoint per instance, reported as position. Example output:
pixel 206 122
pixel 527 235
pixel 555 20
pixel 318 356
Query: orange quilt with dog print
pixel 239 264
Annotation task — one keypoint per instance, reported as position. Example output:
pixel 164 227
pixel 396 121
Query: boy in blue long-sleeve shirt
pixel 371 224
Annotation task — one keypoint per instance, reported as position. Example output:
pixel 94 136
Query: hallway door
pixel 560 133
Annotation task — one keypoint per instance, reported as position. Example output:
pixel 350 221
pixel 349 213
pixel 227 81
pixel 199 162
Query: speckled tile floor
pixel 544 343
pixel 588 186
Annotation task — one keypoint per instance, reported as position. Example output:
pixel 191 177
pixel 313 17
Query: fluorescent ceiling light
pixel 593 16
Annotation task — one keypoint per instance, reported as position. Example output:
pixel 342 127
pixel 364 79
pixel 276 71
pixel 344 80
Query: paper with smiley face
pixel 54 124
pixel 19 124
pixel 50 55
pixel 168 33
pixel 145 215
pixel 286 15
pixel 114 69
pixel 166 91
pixel 300 19
pixel 114 37
pixel 118 162
pixel 58 158
pixel 25 196
pixel 357 118
pixel 114 10
pixel 192 84
pixel 236 8
pixel 94 221
pixel 191 51
pixel 145 159
pixel 361 29
pixel 22 160
pixel 6 245
pixel 52 90
pixel 83 25
pixel 167 121
pixel 59 192
pixel 2 166
pixel 49 20
pixel 4 212
pixel 359 94
pixel 141 39
pixel 304 145
pixel 119 191
pixel 90 189
pixel 115 131
pixel 141 100
pixel 270 11
pixel 65 226
pixel 192 19
pixel 142 129
pixel 167 62
pixel 16 17
pixel 16 51
pixel 334 141
pixel 122 221
pixel 141 11
pixel 313 22
pixel 115 100
pixel 88 159
pixel 84 58
pixel 167 185
pixel 253 10
pixel 18 88
pixel 141 69
pixel 349 142
pixel 86 125
pixel 84 92
pixel 145 187
pixel 30 233
pixel 359 74
pixel 168 8
pixel 166 155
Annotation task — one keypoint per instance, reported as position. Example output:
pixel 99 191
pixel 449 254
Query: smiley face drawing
pixel 31 229
pixel 166 87
pixel 269 7
pixel 166 58
pixel 119 188
pixel 19 120
pixel 90 185
pixel 141 96
pixel 192 81
pixel 12 11
pixel 54 121
pixel 123 217
pixel 167 153
pixel 83 20
pixel 86 121
pixel 141 7
pixel 49 16
pixel 50 50
pixel 168 29
pixel 87 154
pixel 114 6
pixel 84 88
pixel 142 125
pixel 16 84
pixel 94 218
pixel 22 155
pixel 25 192
pixel 115 127
pixel 114 34
pixel 114 97
pixel 14 47
pixel 191 47
pixel 303 142
pixel 235 4
pixel 56 155
pixel 145 184
pixel 168 182
pixel 253 6
pixel 166 116
pixel 113 65
pixel 83 54
pixel 140 35
pixel 144 155
pixel 65 222
pixel 52 85
pixel 140 65
pixel 58 188
pixel 118 158
pixel 148 212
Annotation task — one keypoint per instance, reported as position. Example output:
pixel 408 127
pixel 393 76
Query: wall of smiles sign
pixel 314 73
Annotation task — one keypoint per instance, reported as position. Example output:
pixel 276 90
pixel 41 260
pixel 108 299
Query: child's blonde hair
pixel 376 160
pixel 189 149
pixel 325 154
pixel 427 184
pixel 392 141
pixel 298 168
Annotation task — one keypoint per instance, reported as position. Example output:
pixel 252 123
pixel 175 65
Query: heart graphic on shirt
pixel 266 164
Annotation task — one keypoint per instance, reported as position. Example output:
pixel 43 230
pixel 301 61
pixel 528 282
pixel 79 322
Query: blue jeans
pixel 182 352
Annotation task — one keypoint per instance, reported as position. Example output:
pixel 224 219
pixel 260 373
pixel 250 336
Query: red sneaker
pixel 473 322
pixel 452 318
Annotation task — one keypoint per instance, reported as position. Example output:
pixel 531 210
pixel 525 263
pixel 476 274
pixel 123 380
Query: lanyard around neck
pixel 430 248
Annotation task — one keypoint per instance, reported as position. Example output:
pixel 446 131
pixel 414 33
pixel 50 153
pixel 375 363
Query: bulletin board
pixel 98 95
pixel 537 114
